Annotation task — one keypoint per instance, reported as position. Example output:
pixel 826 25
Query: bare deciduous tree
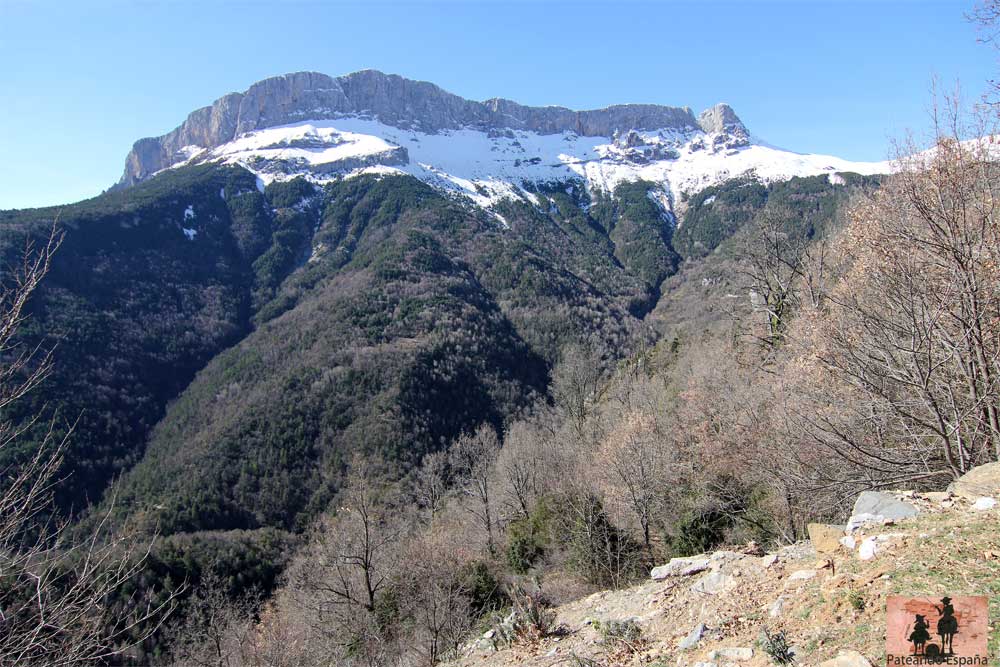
pixel 431 482
pixel 914 326
pixel 348 565
pixel 216 630
pixel 472 457
pixel 773 263
pixel 435 600
pixel 575 382
pixel 642 469
pixel 518 465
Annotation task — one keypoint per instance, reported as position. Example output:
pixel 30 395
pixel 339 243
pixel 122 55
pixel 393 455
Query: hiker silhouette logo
pixel 936 630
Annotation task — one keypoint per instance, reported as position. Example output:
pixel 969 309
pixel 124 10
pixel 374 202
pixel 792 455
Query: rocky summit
pixel 398 102
pixel 326 128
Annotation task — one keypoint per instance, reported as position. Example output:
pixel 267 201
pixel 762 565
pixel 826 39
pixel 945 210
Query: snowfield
pixel 491 166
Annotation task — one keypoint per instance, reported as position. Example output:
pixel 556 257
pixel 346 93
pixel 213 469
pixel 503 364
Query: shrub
pixel 533 619
pixel 523 548
pixel 776 646
pixel 621 636
pixel 527 539
pixel 733 507
pixel 599 551
pixel 483 588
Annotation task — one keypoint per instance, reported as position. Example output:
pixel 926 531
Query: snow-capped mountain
pixel 329 128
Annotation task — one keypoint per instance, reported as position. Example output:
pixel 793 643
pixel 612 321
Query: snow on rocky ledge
pixel 491 166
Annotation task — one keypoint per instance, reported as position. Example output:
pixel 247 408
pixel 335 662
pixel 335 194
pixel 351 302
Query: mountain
pixel 368 122
pixel 321 272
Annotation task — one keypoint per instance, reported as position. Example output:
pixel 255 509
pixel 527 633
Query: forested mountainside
pixel 134 306
pixel 374 315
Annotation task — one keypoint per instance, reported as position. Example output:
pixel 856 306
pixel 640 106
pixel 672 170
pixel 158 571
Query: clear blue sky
pixel 80 80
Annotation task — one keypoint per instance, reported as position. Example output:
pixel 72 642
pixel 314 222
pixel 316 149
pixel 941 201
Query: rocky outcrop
pixel 693 637
pixel 680 567
pixel 878 507
pixel 401 103
pixel 978 482
pixel 720 118
pixel 393 157
pixel 731 654
pixel 825 538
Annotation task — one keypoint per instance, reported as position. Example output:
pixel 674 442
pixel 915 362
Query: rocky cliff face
pixel 720 118
pixel 398 102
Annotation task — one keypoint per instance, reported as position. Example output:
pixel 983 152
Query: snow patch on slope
pixel 312 144
pixel 488 167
